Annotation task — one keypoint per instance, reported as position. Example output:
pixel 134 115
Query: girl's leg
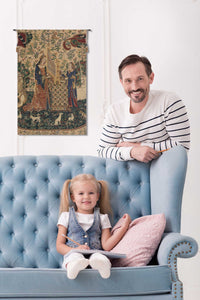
pixel 101 263
pixel 74 263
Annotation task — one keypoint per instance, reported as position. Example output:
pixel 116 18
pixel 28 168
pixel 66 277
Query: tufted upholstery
pixel 30 195
pixel 30 188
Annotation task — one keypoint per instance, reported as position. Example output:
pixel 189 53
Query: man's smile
pixel 137 92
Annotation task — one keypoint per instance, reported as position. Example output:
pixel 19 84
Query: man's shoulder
pixel 164 94
pixel 165 97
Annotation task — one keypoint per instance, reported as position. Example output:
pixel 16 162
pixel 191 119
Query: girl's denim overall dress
pixel 91 237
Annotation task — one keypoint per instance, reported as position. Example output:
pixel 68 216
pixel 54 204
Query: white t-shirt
pixel 85 220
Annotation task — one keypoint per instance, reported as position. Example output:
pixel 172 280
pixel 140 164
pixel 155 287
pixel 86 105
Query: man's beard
pixel 137 98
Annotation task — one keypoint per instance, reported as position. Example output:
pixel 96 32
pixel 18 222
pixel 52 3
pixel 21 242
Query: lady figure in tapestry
pixel 41 98
pixel 72 92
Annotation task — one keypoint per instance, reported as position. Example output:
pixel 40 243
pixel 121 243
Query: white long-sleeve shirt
pixel 162 124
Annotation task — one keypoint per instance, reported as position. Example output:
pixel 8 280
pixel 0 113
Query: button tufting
pixel 12 166
pixel 35 165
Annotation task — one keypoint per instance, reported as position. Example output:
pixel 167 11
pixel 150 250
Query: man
pixel 147 122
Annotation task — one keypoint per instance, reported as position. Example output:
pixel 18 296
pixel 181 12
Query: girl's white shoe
pixel 101 263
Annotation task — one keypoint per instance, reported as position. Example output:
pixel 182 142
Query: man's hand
pixel 144 153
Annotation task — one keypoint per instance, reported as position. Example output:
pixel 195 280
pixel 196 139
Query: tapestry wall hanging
pixel 52 81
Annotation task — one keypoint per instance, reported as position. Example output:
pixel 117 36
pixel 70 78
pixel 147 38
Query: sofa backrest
pixel 30 188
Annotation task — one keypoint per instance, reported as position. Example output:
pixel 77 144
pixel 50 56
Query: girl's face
pixel 85 195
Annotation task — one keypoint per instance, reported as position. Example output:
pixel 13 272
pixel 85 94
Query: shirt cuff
pixel 125 153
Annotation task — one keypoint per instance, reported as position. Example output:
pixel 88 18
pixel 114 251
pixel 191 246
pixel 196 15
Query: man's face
pixel 136 82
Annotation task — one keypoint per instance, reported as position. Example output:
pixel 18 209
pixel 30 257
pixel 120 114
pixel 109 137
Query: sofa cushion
pixel 140 241
pixel 53 283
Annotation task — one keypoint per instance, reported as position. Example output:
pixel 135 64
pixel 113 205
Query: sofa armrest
pixel 175 245
pixel 172 246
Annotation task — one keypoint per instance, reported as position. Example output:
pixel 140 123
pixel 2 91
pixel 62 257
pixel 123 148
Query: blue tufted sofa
pixel 30 186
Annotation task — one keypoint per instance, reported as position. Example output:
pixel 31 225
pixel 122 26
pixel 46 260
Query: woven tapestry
pixel 52 82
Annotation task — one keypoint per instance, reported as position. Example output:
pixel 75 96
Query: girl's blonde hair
pixel 101 186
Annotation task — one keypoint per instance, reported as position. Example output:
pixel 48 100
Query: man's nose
pixel 134 85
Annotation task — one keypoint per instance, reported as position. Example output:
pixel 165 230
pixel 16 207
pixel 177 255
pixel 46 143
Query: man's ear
pixel 151 78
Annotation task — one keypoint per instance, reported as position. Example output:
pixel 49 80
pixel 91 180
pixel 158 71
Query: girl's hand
pixel 83 247
pixel 127 221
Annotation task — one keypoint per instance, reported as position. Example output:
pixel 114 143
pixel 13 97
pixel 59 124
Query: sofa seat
pixel 30 188
pixel 53 283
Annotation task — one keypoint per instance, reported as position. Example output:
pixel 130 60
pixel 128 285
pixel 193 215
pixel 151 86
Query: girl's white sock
pixel 101 263
pixel 75 266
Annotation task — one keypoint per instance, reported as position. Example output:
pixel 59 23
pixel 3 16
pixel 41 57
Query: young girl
pixel 84 219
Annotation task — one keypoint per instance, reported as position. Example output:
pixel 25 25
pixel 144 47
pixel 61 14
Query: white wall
pixel 55 14
pixel 166 31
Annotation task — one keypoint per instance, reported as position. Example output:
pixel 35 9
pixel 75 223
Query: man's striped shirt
pixel 162 124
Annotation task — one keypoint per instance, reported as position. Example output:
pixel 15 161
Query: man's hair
pixel 133 59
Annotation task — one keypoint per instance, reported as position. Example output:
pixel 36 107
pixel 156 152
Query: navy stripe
pixel 155 138
pixel 111 131
pixel 176 117
pixel 140 136
pixel 122 127
pixel 142 129
pixel 107 142
pixel 176 123
pixel 171 112
pixel 116 138
pixel 173 130
pixel 175 136
pixel 172 104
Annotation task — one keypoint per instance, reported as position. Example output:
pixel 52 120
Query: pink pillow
pixel 140 241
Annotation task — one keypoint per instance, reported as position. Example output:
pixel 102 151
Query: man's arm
pixel 109 139
pixel 111 147
pixel 177 128
pixel 140 152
